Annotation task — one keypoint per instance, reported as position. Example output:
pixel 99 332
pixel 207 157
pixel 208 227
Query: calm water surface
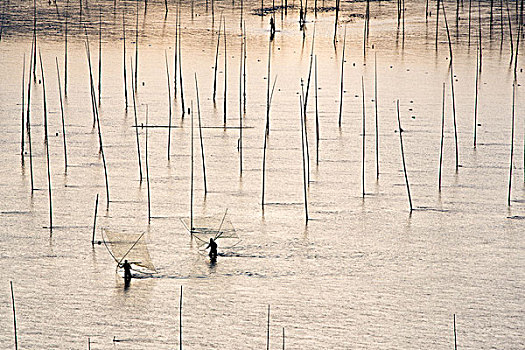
pixel 364 273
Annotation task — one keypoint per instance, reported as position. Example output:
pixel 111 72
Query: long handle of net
pixel 129 250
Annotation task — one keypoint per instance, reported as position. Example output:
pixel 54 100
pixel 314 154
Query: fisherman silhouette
pixel 272 27
pixel 213 249
pixel 127 270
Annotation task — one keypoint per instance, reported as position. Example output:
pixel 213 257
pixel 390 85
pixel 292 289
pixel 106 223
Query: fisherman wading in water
pixel 127 270
pixel 213 249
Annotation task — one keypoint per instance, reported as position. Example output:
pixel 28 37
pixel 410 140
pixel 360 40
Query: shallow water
pixel 363 273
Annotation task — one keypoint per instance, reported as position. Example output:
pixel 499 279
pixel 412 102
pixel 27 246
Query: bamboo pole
pixel 480 35
pixel 437 22
pixel 137 48
pixel 454 115
pixel 364 137
pixel 403 157
pixel 264 162
pixel 225 74
pixel 94 222
pixel 124 60
pixel 337 3
pixel 268 327
pixel 28 119
pixel 511 143
pixel 35 41
pixel 94 106
pixel 14 314
pixel 342 80
pixel 240 103
pixel 448 35
pixel 62 114
pixel 180 319
pixel 376 114
pixel 517 49
pixel 66 15
pixel 244 70
pixel 100 55
pixel 469 19
pixel 216 62
pixel 309 72
pixel 191 183
pixel 306 144
pixel 316 118
pixel 511 41
pixel 304 161
pixel 455 339
pixel 22 129
pixel 169 102
pixel 46 142
pixel 200 135
pixel 136 123
pixel 147 169
pixel 476 99
pixel 442 137
pixel 268 89
pixel 175 52
pixel 180 67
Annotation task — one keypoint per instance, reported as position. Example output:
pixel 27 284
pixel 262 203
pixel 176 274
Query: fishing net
pixel 131 247
pixel 218 227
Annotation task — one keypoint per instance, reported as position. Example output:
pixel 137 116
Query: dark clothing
pixel 213 249
pixel 127 270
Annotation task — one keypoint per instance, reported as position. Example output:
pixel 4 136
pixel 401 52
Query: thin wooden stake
pixel 437 22
pixel 28 119
pixel 442 137
pixel 94 106
pixel 240 103
pixel 511 142
pixel 62 114
pixel 94 221
pixel 403 157
pixel 225 74
pixel 191 184
pixel 180 319
pixel 476 99
pixel 14 314
pixel 376 114
pixel 244 71
pixel 216 62
pixel 22 138
pixel 264 162
pixel 180 68
pixel 342 79
pixel 137 48
pixel 268 327
pixel 124 60
pixel 455 339
pixel 454 115
pixel 100 55
pixel 136 123
pixel 364 137
pixel 305 181
pixel 268 89
pixel 175 52
pixel 46 141
pixel 169 102
pixel 316 118
pixel 147 169
pixel 66 15
pixel 200 135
